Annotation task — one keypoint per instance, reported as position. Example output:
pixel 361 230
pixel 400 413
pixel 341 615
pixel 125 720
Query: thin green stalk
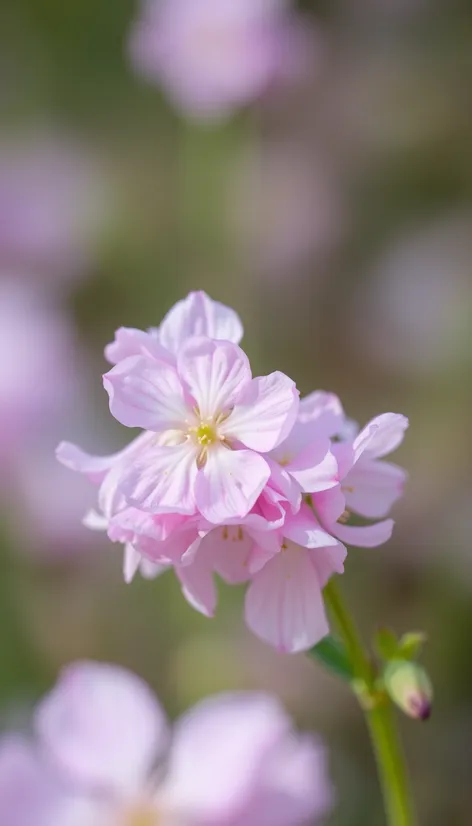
pixel 379 717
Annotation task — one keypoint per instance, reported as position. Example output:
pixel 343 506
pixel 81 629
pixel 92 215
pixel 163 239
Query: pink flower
pixel 196 315
pixel 104 755
pixel 213 56
pixel 211 419
pixel 368 487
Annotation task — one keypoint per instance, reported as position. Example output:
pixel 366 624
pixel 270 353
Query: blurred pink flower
pixel 49 198
pixel 413 315
pixel 37 354
pixel 104 755
pixel 213 56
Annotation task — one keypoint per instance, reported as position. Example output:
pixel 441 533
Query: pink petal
pixel 323 409
pixel 328 561
pixel 229 483
pixel 218 750
pixel 264 413
pixel 381 436
pixel 162 480
pixel 230 547
pixel 365 537
pixel 293 786
pixel 102 726
pixel 284 603
pixel 315 468
pixel 94 467
pixel 215 372
pixel 372 487
pixel 28 794
pixel 146 393
pixel 329 505
pixel 284 483
pixel 198 585
pixel 131 342
pixel 304 529
pixel 133 562
pixel 198 315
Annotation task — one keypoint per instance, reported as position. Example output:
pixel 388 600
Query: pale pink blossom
pixel 212 56
pixel 104 755
pixel 212 421
pixel 196 315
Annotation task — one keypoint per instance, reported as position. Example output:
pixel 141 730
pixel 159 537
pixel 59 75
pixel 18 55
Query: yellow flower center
pixel 206 434
pixel 141 815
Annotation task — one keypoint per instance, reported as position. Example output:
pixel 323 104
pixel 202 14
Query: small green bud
pixel 409 686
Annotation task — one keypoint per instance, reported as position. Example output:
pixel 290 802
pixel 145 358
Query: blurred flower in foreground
pixel 104 756
pixel 36 364
pixel 213 56
pixel 50 196
pixel 234 475
pixel 414 313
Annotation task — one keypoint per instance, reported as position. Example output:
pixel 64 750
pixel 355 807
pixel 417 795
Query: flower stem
pixel 379 717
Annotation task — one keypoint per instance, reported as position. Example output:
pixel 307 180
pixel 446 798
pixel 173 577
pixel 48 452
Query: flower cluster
pixel 236 475
pixel 104 756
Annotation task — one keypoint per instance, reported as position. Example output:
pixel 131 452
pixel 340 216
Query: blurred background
pixel 322 186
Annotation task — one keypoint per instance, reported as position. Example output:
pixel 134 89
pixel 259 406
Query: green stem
pixel 379 717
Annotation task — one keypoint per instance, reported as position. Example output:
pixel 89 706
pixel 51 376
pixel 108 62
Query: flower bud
pixel 409 686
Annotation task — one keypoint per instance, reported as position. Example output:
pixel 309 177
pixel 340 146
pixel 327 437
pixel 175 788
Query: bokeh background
pixel 334 212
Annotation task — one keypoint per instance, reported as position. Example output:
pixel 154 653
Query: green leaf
pixel 331 653
pixel 411 644
pixel 386 644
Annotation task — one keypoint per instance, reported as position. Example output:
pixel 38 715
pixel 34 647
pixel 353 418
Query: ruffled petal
pixel 132 342
pixel 380 436
pixel 304 529
pixel 264 413
pixel 372 487
pixel 146 393
pixel 369 536
pixel 214 373
pixel 229 484
pixel 102 726
pixel 199 315
pixel 323 410
pixel 284 602
pixel 162 480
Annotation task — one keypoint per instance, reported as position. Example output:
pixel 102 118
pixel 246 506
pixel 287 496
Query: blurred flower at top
pixel 213 56
pixel 36 365
pixel 415 309
pixel 287 208
pixel 50 197
pixel 103 756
